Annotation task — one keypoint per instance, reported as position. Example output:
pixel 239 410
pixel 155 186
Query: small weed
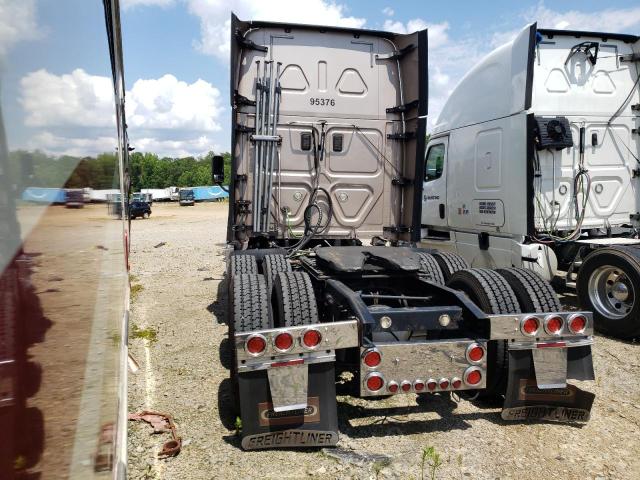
pixel 150 334
pixel 133 278
pixel 238 425
pixel 115 339
pixel 136 288
pixel 377 468
pixel 431 459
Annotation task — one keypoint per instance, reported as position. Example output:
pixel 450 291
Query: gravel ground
pixel 183 371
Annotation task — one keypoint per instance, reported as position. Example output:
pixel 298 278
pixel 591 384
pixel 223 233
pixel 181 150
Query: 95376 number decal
pixel 323 102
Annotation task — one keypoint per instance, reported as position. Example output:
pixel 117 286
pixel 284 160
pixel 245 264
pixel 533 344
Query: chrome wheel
pixel 611 292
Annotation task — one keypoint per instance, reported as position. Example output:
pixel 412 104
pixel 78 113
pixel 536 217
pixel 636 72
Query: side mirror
pixel 217 169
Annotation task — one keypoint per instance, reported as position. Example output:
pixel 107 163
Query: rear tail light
pixel 393 387
pixel 372 358
pixel 311 338
pixel 255 345
pixel 406 386
pixel 475 353
pixel 375 382
pixel 456 383
pixel 553 324
pixel 530 326
pixel 418 385
pixel 472 376
pixel 444 383
pixel 577 323
pixel 432 385
pixel 283 341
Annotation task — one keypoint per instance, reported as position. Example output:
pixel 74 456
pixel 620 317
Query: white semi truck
pixel 534 163
pixel 328 146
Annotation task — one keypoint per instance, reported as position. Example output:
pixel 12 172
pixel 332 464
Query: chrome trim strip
pixel 568 343
pixel 507 327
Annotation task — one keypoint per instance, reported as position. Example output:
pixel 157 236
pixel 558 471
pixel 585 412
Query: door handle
pixel 441 209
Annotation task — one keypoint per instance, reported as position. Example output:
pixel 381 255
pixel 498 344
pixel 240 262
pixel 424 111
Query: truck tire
pixel 249 310
pixel 293 299
pixel 250 303
pixel 430 267
pixel 272 265
pixel 240 264
pixel 450 263
pixel 491 292
pixel 534 294
pixel 609 285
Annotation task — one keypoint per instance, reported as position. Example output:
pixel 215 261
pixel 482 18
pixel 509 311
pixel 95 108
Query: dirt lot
pixel 182 351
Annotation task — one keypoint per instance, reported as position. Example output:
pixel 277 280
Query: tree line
pixel 146 170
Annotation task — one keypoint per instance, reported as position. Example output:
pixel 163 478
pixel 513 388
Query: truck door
pixel 434 194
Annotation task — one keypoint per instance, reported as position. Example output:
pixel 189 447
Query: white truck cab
pixel 534 163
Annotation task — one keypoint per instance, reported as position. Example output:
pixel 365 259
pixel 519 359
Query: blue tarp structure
pixel 209 193
pixel 44 195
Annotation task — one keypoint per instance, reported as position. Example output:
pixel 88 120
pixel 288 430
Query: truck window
pixel 435 162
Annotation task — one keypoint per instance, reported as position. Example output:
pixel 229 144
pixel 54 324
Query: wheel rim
pixel 611 292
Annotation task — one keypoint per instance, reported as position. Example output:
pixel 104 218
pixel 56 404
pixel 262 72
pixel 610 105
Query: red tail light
pixel 283 341
pixel 444 383
pixel 375 382
pixel 431 385
pixel 393 387
pixel 406 386
pixel 473 376
pixel 372 358
pixel 553 324
pixel 530 326
pixel 311 338
pixel 256 345
pixel 418 385
pixel 456 383
pixel 475 353
pixel 577 323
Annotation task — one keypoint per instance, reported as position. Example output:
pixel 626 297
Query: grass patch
pixel 150 334
pixel 136 288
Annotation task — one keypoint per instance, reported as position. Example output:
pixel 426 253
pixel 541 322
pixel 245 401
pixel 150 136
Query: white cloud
pixel 607 20
pixel 388 11
pixel 215 25
pixel 17 23
pixel 438 32
pixel 76 98
pixel 165 115
pixel 82 100
pixel 198 146
pixel 168 103
pixel 89 145
pixel 128 4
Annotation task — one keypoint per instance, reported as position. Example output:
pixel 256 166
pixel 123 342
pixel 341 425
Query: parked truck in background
pixel 186 197
pixel 534 163
pixel 324 276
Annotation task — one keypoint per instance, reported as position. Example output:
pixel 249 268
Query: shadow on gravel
pixel 219 306
pixel 392 422
pixel 226 353
pixel 227 404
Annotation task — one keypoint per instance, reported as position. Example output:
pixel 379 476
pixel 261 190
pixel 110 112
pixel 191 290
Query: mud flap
pixel 568 404
pixel 316 425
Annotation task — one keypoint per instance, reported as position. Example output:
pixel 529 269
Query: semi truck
pixel 534 163
pixel 325 278
pixel 186 197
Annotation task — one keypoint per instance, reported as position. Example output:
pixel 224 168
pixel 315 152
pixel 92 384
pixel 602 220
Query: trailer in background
pixel 209 193
pixel 50 196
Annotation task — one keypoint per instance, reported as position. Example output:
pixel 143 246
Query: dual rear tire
pixel 503 291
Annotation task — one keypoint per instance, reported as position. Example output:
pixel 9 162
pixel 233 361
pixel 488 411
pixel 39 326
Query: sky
pixel 56 92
